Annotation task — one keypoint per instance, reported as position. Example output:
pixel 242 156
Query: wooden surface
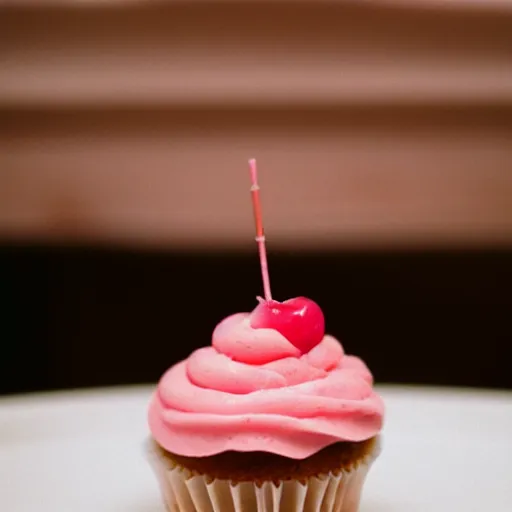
pixel 372 125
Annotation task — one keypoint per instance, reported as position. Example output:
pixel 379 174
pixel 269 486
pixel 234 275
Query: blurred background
pixel 383 133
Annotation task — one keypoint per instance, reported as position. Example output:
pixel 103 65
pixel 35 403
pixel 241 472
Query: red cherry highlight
pixel 300 320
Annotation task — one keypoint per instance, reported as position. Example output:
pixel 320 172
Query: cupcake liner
pixel 184 491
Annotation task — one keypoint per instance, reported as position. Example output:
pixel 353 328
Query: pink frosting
pixel 253 391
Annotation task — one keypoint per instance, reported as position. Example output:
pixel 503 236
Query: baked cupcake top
pixel 253 390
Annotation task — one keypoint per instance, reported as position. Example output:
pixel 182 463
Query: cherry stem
pixel 260 236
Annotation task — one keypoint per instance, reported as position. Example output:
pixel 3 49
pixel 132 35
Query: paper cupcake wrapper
pixel 183 491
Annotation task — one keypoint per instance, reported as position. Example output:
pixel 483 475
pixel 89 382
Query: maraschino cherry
pixel 300 320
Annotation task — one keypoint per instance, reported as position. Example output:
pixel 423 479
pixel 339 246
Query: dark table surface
pixel 89 316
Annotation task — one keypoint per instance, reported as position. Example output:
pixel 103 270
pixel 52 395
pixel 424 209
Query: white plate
pixel 444 451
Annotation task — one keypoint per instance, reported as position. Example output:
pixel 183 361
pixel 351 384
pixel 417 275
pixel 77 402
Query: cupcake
pixel 272 417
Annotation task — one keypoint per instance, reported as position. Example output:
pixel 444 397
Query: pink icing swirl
pixel 253 391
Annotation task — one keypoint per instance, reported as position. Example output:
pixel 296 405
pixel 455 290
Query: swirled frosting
pixel 252 390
